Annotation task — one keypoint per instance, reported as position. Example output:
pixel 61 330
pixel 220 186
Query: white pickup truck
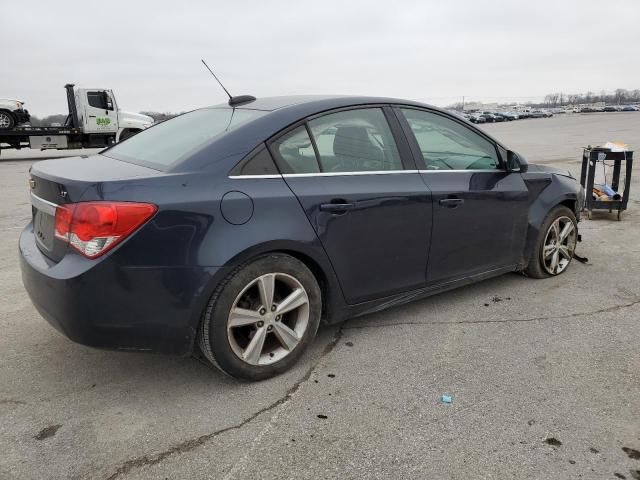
pixel 94 121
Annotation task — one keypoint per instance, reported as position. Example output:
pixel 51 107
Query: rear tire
pixel 7 121
pixel 261 318
pixel 554 246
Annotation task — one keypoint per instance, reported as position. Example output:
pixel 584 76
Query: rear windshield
pixel 165 144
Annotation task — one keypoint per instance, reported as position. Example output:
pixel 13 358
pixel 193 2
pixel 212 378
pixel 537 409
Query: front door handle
pixel 451 202
pixel 336 206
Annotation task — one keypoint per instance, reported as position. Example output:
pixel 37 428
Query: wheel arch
pixel 571 204
pixel 333 305
pixel 320 275
pixel 314 259
pixel 127 132
pixel 539 210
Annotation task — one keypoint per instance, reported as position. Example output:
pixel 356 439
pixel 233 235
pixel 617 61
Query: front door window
pixel 448 145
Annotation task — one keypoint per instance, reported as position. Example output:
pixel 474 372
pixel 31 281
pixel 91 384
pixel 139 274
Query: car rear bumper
pixel 102 304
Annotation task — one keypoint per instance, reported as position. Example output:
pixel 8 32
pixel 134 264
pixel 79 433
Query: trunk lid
pixel 65 180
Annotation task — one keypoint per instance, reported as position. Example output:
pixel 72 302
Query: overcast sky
pixel 149 52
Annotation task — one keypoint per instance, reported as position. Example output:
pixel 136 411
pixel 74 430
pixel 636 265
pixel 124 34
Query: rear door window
pixel 357 140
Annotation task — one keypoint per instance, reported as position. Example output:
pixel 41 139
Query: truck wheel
pixel 7 121
pixel 127 133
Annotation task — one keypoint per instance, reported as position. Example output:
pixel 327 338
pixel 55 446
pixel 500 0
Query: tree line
pixel 48 121
pixel 161 116
pixel 620 96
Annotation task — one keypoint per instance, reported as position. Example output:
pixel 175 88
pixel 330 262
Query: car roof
pixel 271 104
pixel 280 113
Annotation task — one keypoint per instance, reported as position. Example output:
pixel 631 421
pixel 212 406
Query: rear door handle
pixel 337 207
pixel 451 202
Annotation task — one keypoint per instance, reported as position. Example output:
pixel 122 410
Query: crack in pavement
pixel 509 320
pixel 8 401
pixel 192 444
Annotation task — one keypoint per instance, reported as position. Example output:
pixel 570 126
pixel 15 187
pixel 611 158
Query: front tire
pixel 128 133
pixel 555 245
pixel 261 318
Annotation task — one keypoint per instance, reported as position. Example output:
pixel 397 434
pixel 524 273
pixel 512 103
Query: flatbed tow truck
pixel 94 121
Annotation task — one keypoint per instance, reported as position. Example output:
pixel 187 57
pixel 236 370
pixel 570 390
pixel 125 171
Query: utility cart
pixel 599 157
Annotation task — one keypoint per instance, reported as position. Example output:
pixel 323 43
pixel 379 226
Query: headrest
pixel 354 141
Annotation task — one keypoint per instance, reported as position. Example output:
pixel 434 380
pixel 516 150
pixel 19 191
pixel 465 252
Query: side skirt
pixel 406 297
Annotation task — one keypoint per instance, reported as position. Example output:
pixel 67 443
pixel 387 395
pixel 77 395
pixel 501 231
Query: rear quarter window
pixel 166 144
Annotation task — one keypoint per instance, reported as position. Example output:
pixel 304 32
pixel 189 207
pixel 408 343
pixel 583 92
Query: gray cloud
pixel 149 52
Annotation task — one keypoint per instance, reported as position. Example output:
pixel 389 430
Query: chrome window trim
pixel 240 177
pixel 43 205
pixel 324 174
pixel 444 170
pixel 346 174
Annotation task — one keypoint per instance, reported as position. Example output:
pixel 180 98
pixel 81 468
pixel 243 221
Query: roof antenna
pixel 233 101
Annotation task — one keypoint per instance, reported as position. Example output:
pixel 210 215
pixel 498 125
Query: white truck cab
pixel 98 112
pixel 94 121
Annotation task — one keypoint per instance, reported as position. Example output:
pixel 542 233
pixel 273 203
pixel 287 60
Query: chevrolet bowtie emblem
pixel 32 183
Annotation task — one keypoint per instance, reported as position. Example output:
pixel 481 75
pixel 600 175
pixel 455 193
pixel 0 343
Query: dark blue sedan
pixel 237 230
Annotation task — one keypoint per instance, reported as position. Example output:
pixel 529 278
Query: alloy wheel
pixel 268 319
pixel 559 245
pixel 5 120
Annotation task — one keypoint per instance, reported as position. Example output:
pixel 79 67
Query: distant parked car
pixel 477 118
pixel 510 116
pixel 537 114
pixel 494 116
pixel 488 117
pixel 629 108
pixel 587 110
pixel 610 108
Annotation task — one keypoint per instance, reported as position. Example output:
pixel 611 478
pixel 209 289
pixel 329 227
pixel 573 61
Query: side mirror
pixel 108 102
pixel 516 163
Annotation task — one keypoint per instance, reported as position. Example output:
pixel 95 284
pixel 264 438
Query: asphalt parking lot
pixel 544 374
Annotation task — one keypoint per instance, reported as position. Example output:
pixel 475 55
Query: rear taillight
pixel 94 228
